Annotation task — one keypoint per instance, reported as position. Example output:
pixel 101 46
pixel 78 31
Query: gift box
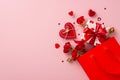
pixel 103 61
pixel 95 33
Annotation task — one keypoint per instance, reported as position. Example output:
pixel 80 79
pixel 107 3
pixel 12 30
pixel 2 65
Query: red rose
pixel 67 47
pixel 80 45
pixel 74 54
pixel 80 20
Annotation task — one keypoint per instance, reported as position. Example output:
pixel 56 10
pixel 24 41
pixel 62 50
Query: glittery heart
pixel 68 32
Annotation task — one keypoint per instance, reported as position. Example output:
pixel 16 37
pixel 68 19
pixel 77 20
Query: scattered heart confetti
pixel 73 22
pixel 62 61
pixel 58 23
pixel 104 8
pixel 57 45
pixel 71 13
pixel 91 13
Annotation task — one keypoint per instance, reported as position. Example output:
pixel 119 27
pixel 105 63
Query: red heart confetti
pixel 57 45
pixel 71 13
pixel 104 8
pixel 91 13
pixel 58 23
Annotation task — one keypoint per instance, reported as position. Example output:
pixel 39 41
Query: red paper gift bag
pixel 103 61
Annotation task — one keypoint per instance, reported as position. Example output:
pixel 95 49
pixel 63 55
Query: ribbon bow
pixel 95 34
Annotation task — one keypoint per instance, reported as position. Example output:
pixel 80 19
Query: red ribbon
pixel 92 34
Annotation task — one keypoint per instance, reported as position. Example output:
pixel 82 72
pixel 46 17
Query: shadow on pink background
pixel 29 29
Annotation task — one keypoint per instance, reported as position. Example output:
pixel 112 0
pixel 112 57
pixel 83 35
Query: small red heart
pixel 91 13
pixel 57 45
pixel 68 32
pixel 70 13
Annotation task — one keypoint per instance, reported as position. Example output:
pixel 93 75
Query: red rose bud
pixel 71 13
pixel 111 30
pixel 67 47
pixel 74 54
pixel 80 46
pixel 69 59
pixel 91 13
pixel 80 20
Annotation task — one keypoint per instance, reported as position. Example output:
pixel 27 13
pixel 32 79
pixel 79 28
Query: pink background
pixel 29 29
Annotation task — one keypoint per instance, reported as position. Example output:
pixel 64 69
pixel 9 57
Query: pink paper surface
pixel 29 29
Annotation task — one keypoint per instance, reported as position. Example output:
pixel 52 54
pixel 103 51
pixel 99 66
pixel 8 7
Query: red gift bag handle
pixel 112 69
